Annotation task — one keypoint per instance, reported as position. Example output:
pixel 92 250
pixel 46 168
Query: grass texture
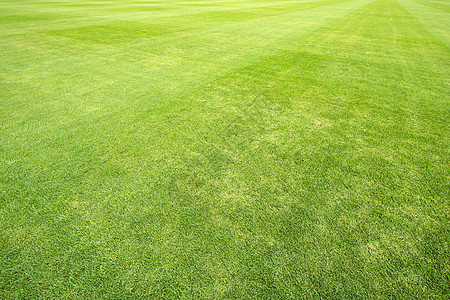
pixel 221 149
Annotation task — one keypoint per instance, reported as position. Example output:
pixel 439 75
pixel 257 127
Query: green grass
pixel 224 149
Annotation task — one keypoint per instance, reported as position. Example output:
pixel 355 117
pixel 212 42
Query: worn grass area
pixel 224 149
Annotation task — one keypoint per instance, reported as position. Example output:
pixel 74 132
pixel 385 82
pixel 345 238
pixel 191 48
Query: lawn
pixel 225 149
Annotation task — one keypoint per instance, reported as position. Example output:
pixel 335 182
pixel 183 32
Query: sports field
pixel 225 149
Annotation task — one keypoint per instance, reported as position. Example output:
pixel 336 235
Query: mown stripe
pixel 121 32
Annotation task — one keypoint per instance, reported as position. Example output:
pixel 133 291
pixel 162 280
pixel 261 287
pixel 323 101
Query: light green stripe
pixel 436 21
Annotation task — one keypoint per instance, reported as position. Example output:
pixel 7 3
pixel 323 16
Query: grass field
pixel 224 149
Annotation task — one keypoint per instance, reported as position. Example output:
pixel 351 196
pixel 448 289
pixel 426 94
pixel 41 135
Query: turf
pixel 224 149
